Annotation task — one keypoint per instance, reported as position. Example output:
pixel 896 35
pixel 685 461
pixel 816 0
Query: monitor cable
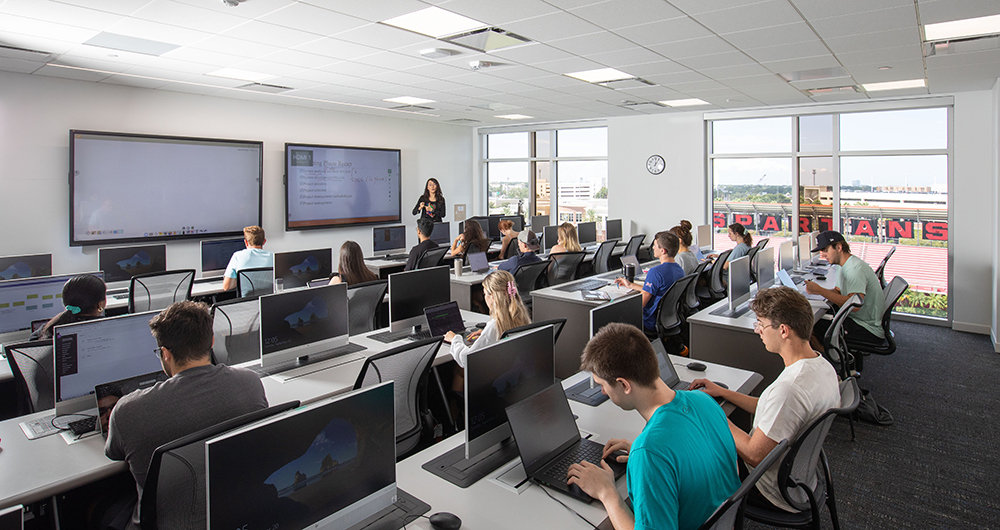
pixel 564 505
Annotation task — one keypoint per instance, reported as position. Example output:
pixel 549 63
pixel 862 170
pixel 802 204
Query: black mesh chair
pixel 528 277
pixel 804 474
pixel 251 283
pixel 602 259
pixel 729 514
pixel 556 323
pixel 633 244
pixel 512 249
pixel 173 495
pixel 752 254
pixel 363 301
pixel 836 350
pixel 715 288
pixel 880 271
pixel 691 301
pixel 891 295
pixel 236 326
pixel 157 290
pixel 431 257
pixel 565 267
pixel 668 313
pixel 408 367
pixel 31 366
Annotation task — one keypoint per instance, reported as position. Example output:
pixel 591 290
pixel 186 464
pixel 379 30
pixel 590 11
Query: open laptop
pixel 478 262
pixel 669 375
pixel 441 319
pixel 108 394
pixel 549 441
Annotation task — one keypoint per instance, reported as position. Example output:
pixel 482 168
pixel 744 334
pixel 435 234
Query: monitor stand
pixel 404 511
pixel 455 468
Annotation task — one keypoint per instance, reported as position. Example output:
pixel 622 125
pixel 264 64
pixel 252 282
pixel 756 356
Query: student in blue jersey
pixel 683 463
pixel 659 278
pixel 527 242
pixel 249 258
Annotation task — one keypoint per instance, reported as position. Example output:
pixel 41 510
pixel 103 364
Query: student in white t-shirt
pixel 249 258
pixel 804 390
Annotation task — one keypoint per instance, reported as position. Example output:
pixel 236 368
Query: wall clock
pixel 655 164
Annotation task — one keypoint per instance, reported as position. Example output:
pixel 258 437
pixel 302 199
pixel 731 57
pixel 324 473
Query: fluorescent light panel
pixel 434 22
pixel 601 75
pixel 514 117
pixel 959 29
pixel 125 43
pixel 242 75
pixel 685 102
pixel 409 100
pixel 895 85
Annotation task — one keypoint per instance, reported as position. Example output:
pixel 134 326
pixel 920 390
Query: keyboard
pixel 798 280
pixel 390 257
pixel 583 393
pixel 39 428
pixel 587 450
pixel 122 296
pixel 588 285
pixel 392 336
pixel 83 426
pixel 322 361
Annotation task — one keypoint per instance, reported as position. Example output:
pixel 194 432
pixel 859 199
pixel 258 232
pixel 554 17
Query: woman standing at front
pixel 431 203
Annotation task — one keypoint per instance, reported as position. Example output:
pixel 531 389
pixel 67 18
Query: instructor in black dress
pixel 431 203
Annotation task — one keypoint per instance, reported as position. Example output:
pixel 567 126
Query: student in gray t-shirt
pixel 685 258
pixel 197 395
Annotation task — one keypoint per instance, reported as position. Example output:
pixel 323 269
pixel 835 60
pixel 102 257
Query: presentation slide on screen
pixel 129 187
pixel 331 186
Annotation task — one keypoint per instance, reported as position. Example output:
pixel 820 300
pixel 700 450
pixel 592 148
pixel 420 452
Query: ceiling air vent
pixel 264 87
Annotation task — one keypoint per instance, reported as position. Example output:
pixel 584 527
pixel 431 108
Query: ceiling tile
pixel 623 13
pixel 717 60
pixel 228 45
pixel 104 54
pixel 872 21
pixel 585 45
pixel 678 77
pixel 807 63
pixel 299 58
pixel 400 78
pixel 354 69
pixel 437 71
pixel 531 53
pixel 558 25
pixel 267 67
pixel 119 7
pixel 60 13
pixel 735 72
pixel 817 9
pixel 30 42
pixel 188 16
pixel 693 48
pixel 194 55
pixel 622 58
pixel 145 29
pixel 498 13
pixel 371 11
pixel 313 19
pixel 70 73
pixel 43 29
pixel 19 66
pixel 565 66
pixel 393 60
pixel 663 66
pixel 249 10
pixel 761 15
pixel 984 57
pixel 322 76
pixel 381 36
pixel 963 77
pixel 947 10
pixel 771 36
pixel 664 31
pixel 789 51
pixel 338 49
pixel 138 82
pixel 272 34
pixel 875 41
pixel 869 73
pixel 694 7
pixel 93 63
pixel 882 56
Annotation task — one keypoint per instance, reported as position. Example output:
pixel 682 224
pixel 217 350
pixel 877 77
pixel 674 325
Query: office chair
pixel 173 495
pixel 565 267
pixel 236 326
pixel 251 283
pixel 602 259
pixel 669 317
pixel 512 249
pixel 752 254
pixel 363 301
pixel 715 289
pixel 880 271
pixel 31 365
pixel 891 295
pixel 834 344
pixel 762 243
pixel 157 290
pixel 804 474
pixel 556 323
pixel 408 367
pixel 691 301
pixel 729 514
pixel 431 257
pixel 528 278
pixel 633 245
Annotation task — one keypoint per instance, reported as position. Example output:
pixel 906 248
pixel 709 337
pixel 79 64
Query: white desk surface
pixel 486 505
pixel 199 288
pixel 556 292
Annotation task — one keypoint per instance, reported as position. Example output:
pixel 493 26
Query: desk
pixel 463 287
pixel 200 287
pixel 383 268
pixel 486 505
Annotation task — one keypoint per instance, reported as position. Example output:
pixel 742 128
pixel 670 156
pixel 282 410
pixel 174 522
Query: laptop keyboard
pixel 587 450
pixel 588 285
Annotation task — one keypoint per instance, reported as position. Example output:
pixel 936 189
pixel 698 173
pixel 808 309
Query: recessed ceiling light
pixel 409 100
pixel 958 29
pixel 434 22
pixel 885 68
pixel 685 102
pixel 895 85
pixel 514 117
pixel 601 75
pixel 126 43
pixel 437 53
pixel 242 75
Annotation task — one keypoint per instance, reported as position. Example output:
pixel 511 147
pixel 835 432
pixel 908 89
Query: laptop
pixel 669 375
pixel 478 262
pixel 549 441
pixel 108 394
pixel 443 318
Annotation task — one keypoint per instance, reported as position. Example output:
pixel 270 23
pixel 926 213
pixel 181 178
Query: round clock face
pixel 655 164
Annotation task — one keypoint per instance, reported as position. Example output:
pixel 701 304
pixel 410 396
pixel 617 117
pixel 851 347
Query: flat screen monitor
pixel 498 376
pixel 765 268
pixel 120 264
pixel 295 269
pixel 516 219
pixel 786 256
pixel 805 245
pixel 813 237
pixel 411 291
pixel 95 352
pixel 613 229
pixel 550 236
pixel 26 300
pixel 329 186
pixel 215 255
pixel 12 518
pixel 441 234
pixel 627 310
pixel 484 223
pixel 705 236
pixel 388 240
pixel 127 188
pixel 329 465
pixel 493 225
pixel 302 322
pixel 538 222
pixel 739 281
pixel 587 232
pixel 17 267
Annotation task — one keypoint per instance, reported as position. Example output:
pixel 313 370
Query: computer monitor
pixel 805 245
pixel 627 310
pixel 786 256
pixel 330 465
pixel 813 238
pixel 739 281
pixel 498 376
pixel 120 264
pixel 765 268
pixel 550 236
pixel 705 236
pixel 516 219
pixel 587 232
pixel 484 223
pixel 411 291
pixel 215 255
pixel 302 322
pixel 31 266
pixel 613 229
pixel 91 353
pixel 12 518
pixel 387 240
pixel 441 234
pixel 538 222
pixel 29 299
pixel 295 269
pixel 493 225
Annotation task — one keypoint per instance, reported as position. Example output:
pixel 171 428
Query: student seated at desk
pixel 685 224
pixel 425 227
pixel 472 240
pixel 527 243
pixel 683 463
pixel 806 388
pixel 738 233
pixel 685 258
pixel 509 236
pixel 351 268
pixel 197 394
pixel 249 258
pixel 658 279
pixel 568 240
pixel 507 311
pixel 84 297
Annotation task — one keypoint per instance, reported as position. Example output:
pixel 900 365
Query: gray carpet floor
pixel 938 465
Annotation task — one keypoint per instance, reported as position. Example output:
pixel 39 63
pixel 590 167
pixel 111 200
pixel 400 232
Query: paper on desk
pixel 614 290
pixel 816 297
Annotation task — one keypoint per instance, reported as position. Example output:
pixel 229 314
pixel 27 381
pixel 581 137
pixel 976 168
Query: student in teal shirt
pixel 683 464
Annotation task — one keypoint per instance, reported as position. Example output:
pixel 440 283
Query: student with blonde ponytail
pixel 507 311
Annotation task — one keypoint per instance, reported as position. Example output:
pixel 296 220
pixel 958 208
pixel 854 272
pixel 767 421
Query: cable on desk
pixel 564 505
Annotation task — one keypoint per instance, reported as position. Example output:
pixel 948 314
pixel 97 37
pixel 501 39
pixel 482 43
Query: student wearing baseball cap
pixel 527 241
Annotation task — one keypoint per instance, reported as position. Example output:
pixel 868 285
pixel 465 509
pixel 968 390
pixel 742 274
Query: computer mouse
pixel 697 367
pixel 613 457
pixel 723 385
pixel 445 521
pixel 481 325
pixel 821 278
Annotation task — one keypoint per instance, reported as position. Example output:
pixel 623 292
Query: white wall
pixel 996 217
pixel 36 114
